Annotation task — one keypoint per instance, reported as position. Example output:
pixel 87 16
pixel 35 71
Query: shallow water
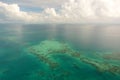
pixel 95 42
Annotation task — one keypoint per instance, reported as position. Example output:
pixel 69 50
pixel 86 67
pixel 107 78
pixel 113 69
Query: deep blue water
pixel 17 64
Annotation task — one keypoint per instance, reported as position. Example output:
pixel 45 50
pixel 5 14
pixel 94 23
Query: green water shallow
pixel 50 52
pixel 59 52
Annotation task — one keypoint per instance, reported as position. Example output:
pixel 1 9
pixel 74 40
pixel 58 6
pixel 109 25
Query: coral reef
pixel 102 66
pixel 112 56
pixel 46 49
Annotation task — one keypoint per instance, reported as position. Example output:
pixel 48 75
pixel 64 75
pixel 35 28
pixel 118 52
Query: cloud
pixel 73 11
pixel 12 12
pixel 37 3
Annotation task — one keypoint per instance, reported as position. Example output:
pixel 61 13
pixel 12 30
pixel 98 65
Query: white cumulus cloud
pixel 74 11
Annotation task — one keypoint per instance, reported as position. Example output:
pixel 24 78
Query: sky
pixel 59 11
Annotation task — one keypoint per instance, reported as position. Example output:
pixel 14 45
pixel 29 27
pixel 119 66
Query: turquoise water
pixel 94 42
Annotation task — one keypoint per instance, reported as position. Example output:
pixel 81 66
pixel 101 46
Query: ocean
pixel 59 52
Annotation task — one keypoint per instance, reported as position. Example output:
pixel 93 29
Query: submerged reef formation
pixel 112 56
pixel 48 48
pixel 103 66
